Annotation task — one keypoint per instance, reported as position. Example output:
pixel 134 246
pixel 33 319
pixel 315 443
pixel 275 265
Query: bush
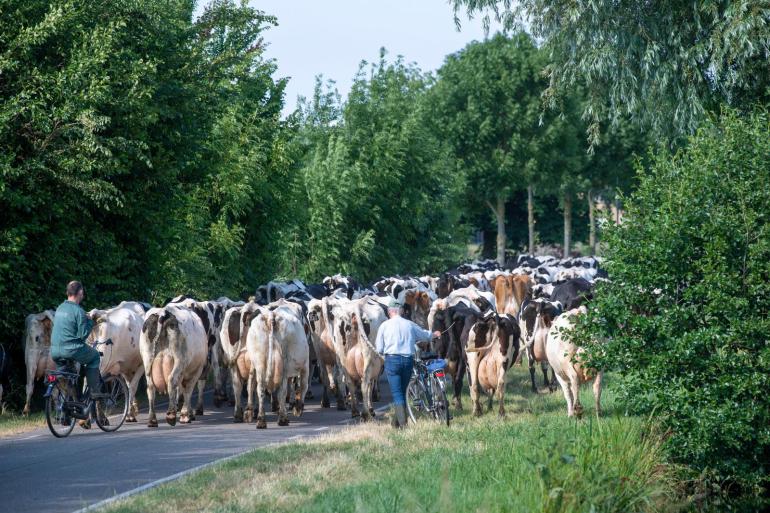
pixel 685 318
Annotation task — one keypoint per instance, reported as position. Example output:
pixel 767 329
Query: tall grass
pixel 536 459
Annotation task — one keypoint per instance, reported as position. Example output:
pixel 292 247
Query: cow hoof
pixel 185 419
pixel 238 416
pixel 171 419
pixel 298 409
pixel 130 418
pixel 248 416
pixel 25 412
pixel 341 406
pixel 284 421
pixel 261 424
pixel 309 395
pixel 152 423
pixel 354 414
pixel 325 403
pixel 477 412
pixel 199 411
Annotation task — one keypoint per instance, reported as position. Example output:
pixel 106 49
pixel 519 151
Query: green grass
pixel 534 460
pixel 14 423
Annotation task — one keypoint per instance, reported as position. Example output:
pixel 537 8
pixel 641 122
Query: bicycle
pixel 426 392
pixel 64 404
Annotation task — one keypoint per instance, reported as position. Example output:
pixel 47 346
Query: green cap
pixel 393 303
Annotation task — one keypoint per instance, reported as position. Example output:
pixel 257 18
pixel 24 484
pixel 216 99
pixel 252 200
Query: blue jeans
pixel 398 370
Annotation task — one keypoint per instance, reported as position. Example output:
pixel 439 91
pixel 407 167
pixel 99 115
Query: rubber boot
pixel 401 415
pixel 94 380
pixel 393 417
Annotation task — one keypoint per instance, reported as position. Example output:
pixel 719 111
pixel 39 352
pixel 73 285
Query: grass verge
pixel 13 424
pixel 534 460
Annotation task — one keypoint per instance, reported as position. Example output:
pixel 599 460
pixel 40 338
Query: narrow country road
pixel 41 473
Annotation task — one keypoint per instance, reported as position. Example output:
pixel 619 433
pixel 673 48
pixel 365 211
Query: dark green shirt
pixel 71 327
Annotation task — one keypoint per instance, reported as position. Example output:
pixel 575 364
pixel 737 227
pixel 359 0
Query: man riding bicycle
pixel 397 340
pixel 71 327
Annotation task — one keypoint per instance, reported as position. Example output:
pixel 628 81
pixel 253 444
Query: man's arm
pixel 421 334
pixel 84 325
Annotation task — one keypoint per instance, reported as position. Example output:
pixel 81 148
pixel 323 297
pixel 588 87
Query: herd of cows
pixel 488 315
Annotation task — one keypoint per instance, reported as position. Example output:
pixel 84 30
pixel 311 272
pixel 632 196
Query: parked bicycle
pixel 426 393
pixel 65 402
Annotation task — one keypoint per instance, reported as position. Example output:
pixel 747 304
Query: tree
pixel 664 64
pixel 379 192
pixel 686 315
pixel 487 106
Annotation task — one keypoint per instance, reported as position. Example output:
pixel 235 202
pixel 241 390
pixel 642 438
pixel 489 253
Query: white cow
pixel 277 346
pixel 173 345
pixel 355 326
pixel 37 349
pixel 123 325
pixel 565 359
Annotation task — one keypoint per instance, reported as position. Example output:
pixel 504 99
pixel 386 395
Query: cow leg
pixel 186 417
pixel 31 370
pixel 567 394
pixel 172 385
pixel 367 412
pixel 199 403
pixel 237 390
pixel 500 393
pixel 261 423
pixel 152 421
pixel 338 386
pixel 250 383
pixel 299 403
pixel 326 381
pixel 598 394
pixel 457 384
pixel 133 384
pixel 550 383
pixel 283 417
pixel 574 383
pixel 220 395
pixel 531 362
pixel 473 367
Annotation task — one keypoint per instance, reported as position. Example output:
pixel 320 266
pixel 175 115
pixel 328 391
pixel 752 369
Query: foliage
pixel 665 63
pixel 535 460
pixel 141 152
pixel 686 316
pixel 379 188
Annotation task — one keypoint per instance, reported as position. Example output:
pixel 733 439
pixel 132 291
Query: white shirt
pixel 399 336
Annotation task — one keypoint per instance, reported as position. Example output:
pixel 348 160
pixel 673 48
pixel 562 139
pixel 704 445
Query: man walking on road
pixel 396 341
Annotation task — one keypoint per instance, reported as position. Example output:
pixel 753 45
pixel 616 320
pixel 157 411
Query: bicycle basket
pixel 438 364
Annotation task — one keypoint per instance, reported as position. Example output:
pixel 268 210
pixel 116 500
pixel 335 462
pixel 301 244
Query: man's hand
pixel 436 334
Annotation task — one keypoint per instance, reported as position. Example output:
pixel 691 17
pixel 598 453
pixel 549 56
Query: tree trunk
pixel 591 223
pixel 531 218
pixel 567 223
pixel 499 210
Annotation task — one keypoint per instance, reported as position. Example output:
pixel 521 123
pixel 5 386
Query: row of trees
pixel 685 319
pixel 416 162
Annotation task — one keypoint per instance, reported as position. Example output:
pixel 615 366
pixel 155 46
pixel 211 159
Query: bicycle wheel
pixel 59 423
pixel 440 402
pixel 417 400
pixel 111 411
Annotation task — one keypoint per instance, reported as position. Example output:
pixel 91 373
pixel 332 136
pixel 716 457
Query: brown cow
pixel 493 345
pixel 510 292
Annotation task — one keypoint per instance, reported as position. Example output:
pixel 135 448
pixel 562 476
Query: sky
pixel 331 37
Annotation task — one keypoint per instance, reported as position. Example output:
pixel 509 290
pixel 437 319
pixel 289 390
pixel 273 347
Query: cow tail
pixel 270 345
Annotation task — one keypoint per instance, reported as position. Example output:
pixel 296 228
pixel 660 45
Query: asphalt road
pixel 40 473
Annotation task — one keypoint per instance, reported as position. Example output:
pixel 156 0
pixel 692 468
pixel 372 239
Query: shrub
pixel 685 318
